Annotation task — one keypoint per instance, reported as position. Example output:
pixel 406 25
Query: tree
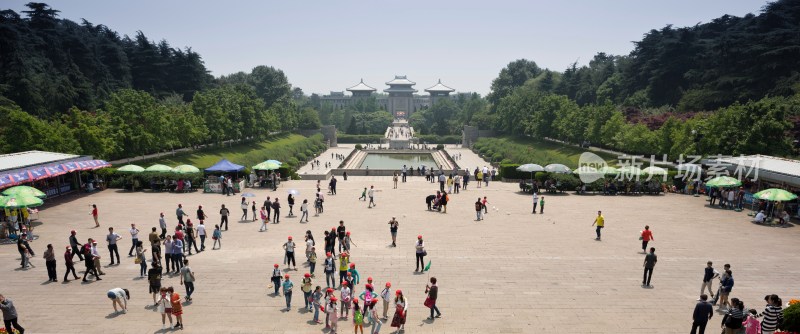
pixel 309 119
pixel 514 75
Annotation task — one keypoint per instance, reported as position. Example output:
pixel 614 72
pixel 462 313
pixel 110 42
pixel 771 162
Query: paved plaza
pixel 513 272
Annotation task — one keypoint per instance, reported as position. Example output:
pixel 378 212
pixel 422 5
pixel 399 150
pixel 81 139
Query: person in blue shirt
pixel 287 291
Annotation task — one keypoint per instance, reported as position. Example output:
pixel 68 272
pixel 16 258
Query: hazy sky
pixel 330 45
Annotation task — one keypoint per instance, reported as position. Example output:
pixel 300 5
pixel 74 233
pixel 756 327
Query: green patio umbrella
pixel 724 181
pixel 275 161
pixel 131 169
pixel 775 194
pixel 158 168
pixel 24 191
pixel 267 165
pixel 19 201
pixel 185 169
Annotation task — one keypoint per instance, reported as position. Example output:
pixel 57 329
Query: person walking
pixel 708 275
pixel 478 210
pixel 535 199
pixel 217 236
pixel 401 311
pixel 703 312
pixel 772 315
pixel 89 261
pixel 341 231
pixel 10 315
pixel 363 195
pixel 316 303
pixel 645 237
pixel 306 288
pixel 177 308
pixel 371 194
pixel 76 246
pixel 25 251
pixel 484 205
pixel 457 181
pixel 244 205
pixel 96 257
pixel 393 224
pixel 312 260
pixel 433 292
pixel 290 202
pixel 541 205
pixel 330 315
pixel 187 279
pixel 289 248
pixel 277 208
pixel 180 214
pixel 177 253
pixel 154 280
pixel 303 210
pixel 141 259
pixel 168 248
pixel 332 184
pixel 112 239
pixel 164 307
pixel 276 278
pixel 155 243
pixel 732 320
pixel 287 291
pixel 119 296
pixel 442 181
pixel 264 219
pixel 201 232
pixel 253 209
pixel 94 215
pixel 50 263
pixel 163 224
pixel 224 212
pixel 70 265
pixel 725 289
pixel 201 215
pixel 394 180
pixel 344 261
pixel 721 277
pixel 191 240
pixel 386 296
pixel 420 253
pixel 600 221
pixel 648 264
pixel 329 269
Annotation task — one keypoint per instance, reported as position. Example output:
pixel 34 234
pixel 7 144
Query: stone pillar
pixel 469 136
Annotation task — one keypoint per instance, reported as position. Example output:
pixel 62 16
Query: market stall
pixel 213 183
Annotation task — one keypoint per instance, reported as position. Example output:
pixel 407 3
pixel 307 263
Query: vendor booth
pixel 213 183
pixel 54 173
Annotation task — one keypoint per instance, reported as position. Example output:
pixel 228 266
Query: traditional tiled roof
pixel 361 87
pixel 439 87
pixel 400 80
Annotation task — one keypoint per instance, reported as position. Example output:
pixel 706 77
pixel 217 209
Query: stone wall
pixel 328 134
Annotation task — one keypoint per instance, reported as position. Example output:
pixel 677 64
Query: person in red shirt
pixel 94 215
pixel 647 235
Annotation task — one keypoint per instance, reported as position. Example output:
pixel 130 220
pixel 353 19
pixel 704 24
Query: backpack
pixel 478 206
pixel 358 318
pixel 87 250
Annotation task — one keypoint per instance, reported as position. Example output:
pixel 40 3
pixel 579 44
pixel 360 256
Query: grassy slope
pixel 524 150
pixel 247 154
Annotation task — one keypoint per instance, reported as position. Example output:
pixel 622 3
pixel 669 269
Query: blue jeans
pixel 288 295
pixel 316 312
pixel 189 288
pixel 307 295
pixel 143 268
pixel 433 307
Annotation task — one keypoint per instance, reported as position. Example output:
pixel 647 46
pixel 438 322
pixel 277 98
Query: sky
pixel 325 46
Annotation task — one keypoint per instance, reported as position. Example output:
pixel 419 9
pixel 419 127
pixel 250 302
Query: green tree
pixel 309 119
pixel 514 75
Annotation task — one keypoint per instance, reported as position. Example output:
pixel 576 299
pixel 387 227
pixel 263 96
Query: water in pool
pixel 397 160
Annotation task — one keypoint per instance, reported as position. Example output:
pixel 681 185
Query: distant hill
pixel 48 65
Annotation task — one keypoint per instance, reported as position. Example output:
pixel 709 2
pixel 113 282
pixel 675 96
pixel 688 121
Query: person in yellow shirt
pixel 344 264
pixel 600 221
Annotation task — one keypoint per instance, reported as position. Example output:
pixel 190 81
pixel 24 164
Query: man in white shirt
pixel 535 200
pixel 371 194
pixel 134 238
pixel 96 257
pixel 760 217
pixel 201 231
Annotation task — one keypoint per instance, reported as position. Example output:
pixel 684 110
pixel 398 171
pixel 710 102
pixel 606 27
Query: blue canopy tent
pixel 224 166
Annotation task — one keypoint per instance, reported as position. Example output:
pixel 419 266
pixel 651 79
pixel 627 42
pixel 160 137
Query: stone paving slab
pixel 468 158
pixel 513 272
pixel 343 149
